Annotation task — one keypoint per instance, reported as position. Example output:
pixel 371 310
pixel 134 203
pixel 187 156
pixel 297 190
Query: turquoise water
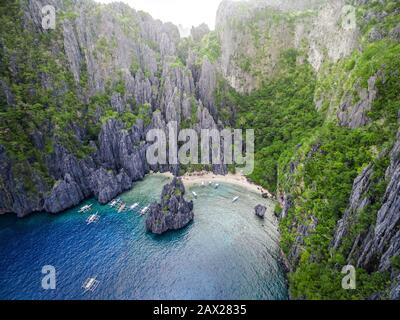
pixel 226 253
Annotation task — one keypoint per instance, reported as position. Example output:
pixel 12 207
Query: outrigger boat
pixel 235 199
pixel 134 206
pixel 93 218
pixel 122 207
pixel 144 210
pixel 90 284
pixel 113 203
pixel 86 208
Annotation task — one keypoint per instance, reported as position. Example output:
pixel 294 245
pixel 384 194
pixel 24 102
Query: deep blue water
pixel 226 253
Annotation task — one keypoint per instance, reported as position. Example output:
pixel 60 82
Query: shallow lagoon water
pixel 226 253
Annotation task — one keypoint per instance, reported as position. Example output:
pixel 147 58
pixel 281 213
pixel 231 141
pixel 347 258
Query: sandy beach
pixel 197 178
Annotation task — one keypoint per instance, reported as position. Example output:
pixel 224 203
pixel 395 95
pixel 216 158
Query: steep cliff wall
pixel 330 159
pixel 254 34
pixel 341 180
pixel 77 101
pixel 321 92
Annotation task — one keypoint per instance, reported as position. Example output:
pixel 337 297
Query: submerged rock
pixel 260 210
pixel 173 213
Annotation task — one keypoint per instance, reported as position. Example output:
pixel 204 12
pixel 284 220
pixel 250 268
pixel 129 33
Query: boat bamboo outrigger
pixel 144 210
pixel 235 199
pixel 113 203
pixel 86 208
pixel 90 284
pixel 93 218
pixel 134 206
pixel 122 207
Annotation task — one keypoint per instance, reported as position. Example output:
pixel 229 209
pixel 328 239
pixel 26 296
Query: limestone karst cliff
pixel 317 79
pixel 331 158
pixel 254 34
pixel 99 81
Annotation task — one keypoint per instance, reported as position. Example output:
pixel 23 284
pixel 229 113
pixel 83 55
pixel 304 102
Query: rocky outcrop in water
pixel 260 210
pixel 173 213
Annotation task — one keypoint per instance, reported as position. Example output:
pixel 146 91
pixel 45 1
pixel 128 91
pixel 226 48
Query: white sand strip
pixel 197 178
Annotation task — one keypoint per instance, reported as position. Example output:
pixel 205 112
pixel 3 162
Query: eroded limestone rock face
pixel 358 201
pixel 111 170
pixel 254 34
pixel 65 193
pixel 106 185
pixel 384 240
pixel 197 33
pixel 173 212
pixel 110 46
pixel 354 115
pixel 373 249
